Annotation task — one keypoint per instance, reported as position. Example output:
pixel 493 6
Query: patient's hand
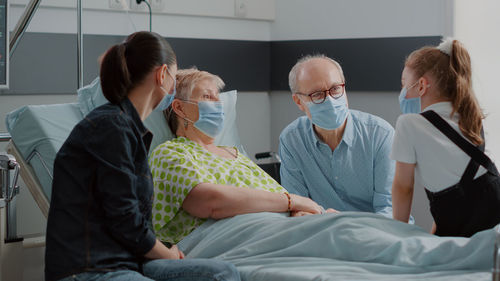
pixel 304 204
pixel 181 255
pixel 160 251
pixel 331 211
pixel 300 213
pixel 304 213
pixel 175 253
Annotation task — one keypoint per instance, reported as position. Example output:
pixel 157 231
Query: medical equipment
pixel 11 246
pixel 270 162
pixel 8 191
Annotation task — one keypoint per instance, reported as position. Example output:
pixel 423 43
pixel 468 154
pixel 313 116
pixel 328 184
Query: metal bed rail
pixel 9 189
pixel 5 137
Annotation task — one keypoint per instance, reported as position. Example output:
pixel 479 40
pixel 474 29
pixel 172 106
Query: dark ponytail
pixel 124 66
pixel 115 78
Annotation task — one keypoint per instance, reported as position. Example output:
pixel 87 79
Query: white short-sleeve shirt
pixel 440 163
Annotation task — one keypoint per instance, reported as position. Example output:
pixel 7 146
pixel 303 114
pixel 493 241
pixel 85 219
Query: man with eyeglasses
pixel 336 156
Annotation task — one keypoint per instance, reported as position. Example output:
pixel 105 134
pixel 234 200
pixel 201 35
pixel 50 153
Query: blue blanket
pixel 346 246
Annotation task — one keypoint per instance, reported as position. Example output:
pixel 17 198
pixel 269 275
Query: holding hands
pixel 303 206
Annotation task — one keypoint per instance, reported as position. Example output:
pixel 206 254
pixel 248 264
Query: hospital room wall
pixel 59 22
pixel 478 27
pixel 326 19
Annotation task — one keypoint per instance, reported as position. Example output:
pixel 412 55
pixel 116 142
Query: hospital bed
pixel 38 131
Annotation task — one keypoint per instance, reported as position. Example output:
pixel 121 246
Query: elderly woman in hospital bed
pixel 197 179
pixel 216 203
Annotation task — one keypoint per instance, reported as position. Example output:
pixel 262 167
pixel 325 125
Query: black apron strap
pixel 473 166
pixel 470 171
pixel 474 152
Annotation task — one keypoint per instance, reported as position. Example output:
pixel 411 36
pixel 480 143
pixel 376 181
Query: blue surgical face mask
pixel 411 105
pixel 166 101
pixel 168 98
pixel 330 114
pixel 211 117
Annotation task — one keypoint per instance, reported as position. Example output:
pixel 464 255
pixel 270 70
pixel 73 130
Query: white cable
pixel 127 8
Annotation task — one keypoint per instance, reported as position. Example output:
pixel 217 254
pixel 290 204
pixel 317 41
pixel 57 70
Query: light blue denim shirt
pixel 356 176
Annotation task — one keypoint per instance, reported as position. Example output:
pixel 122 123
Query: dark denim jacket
pixel 102 194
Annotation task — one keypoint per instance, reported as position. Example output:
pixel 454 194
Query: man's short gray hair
pixel 292 76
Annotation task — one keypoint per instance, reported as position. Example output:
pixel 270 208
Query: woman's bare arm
pixel 207 200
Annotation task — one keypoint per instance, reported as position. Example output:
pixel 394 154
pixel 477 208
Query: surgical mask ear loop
pixel 428 86
pixel 186 122
pixel 419 95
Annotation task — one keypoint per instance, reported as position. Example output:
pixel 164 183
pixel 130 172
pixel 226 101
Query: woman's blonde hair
pixel 453 76
pixel 186 81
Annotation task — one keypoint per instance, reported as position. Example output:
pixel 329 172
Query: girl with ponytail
pixel 99 225
pixel 440 145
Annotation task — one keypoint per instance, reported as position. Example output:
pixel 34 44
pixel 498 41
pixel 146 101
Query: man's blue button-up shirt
pixel 356 176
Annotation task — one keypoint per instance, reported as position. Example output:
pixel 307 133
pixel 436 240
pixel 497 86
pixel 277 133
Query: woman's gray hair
pixel 292 76
pixel 188 78
pixel 186 81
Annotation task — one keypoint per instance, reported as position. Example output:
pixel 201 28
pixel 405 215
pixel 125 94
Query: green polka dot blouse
pixel 179 165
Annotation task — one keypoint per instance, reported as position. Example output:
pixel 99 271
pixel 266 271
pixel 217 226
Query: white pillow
pixel 229 135
pixel 91 96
